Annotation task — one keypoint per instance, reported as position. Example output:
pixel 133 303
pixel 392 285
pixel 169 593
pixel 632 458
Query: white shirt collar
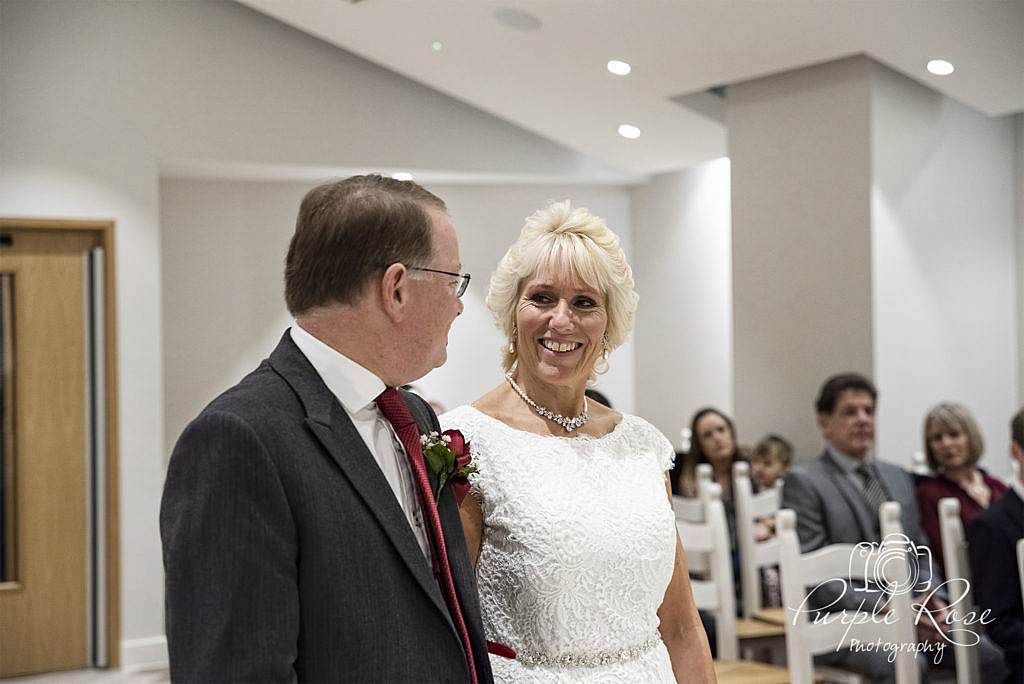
pixel 354 386
pixel 848 463
pixel 1016 478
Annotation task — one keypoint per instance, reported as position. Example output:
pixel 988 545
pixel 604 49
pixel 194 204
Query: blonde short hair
pixel 560 239
pixel 954 417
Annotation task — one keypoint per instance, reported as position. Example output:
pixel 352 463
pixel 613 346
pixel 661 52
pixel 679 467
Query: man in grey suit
pixel 303 539
pixel 836 498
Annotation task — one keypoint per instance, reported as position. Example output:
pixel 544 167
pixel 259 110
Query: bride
pixel 569 520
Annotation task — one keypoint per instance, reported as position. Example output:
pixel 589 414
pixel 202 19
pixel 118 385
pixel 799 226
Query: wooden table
pixel 757 628
pixel 774 616
pixel 748 672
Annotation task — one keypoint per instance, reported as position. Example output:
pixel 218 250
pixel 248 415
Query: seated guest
pixel 953 446
pixel 992 541
pixel 836 499
pixel 769 461
pixel 714 442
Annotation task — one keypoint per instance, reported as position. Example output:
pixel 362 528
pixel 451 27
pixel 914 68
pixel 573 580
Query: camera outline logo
pixel 877 563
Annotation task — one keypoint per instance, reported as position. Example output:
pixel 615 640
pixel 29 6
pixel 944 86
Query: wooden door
pixel 44 598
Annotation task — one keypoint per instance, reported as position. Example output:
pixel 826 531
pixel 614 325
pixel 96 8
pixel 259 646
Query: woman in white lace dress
pixel 569 520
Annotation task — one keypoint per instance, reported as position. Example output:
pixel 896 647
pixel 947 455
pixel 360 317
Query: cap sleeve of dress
pixel 656 443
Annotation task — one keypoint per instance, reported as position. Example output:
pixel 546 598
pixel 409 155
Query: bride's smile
pixel 566 319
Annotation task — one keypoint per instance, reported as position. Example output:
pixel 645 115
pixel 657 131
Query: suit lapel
pixel 455 541
pixel 332 427
pixel 866 521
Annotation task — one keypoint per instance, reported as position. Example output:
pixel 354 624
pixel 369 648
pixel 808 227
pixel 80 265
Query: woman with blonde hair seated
pixel 569 522
pixel 953 446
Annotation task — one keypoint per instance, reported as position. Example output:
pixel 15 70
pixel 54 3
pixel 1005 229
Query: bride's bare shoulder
pixel 603 419
pixel 494 402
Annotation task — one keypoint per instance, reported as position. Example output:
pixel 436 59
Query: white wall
pixel 944 266
pixel 223 254
pixel 682 237
pixel 1019 196
pixel 97 95
pixel 800 151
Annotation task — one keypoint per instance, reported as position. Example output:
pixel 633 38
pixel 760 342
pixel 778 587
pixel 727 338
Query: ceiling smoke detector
pixel 517 19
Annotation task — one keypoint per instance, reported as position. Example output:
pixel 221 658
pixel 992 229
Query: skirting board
pixel 144 654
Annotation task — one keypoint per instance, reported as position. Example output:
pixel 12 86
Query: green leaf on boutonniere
pixel 448 456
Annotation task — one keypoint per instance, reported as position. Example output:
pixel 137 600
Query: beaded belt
pixel 587 659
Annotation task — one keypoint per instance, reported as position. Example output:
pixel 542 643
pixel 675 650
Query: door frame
pixel 103 232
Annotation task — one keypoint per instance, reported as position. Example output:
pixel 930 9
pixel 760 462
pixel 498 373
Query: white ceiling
pixel 553 80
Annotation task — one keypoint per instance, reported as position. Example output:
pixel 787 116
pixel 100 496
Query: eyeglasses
pixel 459 288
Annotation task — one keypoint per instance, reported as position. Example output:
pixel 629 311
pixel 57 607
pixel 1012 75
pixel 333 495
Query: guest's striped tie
pixel 873 491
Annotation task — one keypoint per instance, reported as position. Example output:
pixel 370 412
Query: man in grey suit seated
pixel 836 498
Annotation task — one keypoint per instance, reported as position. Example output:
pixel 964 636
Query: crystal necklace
pixel 569 424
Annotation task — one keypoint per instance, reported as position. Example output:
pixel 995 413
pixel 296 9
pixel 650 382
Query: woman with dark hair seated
pixel 714 442
pixel 953 445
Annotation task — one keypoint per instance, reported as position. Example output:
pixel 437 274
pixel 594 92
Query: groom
pixel 301 537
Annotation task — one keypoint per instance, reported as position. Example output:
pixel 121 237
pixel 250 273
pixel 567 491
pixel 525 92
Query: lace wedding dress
pixel 578 549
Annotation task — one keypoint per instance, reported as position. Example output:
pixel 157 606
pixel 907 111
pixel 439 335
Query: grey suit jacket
pixel 831 510
pixel 288 557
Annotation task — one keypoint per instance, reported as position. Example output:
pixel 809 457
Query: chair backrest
pixel 919 464
pixel 849 563
pixel 714 593
pixel 691 509
pixel 1020 565
pixel 705 476
pixel 754 554
pixel 958 574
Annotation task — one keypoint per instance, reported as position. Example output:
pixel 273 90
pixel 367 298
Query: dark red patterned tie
pixel 393 407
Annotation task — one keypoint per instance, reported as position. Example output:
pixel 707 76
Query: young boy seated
pixel 770 461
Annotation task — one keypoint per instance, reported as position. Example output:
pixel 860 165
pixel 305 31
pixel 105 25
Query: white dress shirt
pixel 356 388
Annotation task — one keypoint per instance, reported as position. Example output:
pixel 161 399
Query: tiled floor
pixel 157 676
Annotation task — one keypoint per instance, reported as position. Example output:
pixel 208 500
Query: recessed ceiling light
pixel 402 176
pixel 517 19
pixel 940 67
pixel 618 67
pixel 437 46
pixel 628 131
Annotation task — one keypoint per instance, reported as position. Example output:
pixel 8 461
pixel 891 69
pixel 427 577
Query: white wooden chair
pixel 714 593
pixel 919 464
pixel 1020 565
pixel 958 573
pixel 754 554
pixel 691 509
pixel 705 539
pixel 804 639
pixel 750 632
pixel 705 476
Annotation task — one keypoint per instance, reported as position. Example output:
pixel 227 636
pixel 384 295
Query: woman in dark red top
pixel 953 445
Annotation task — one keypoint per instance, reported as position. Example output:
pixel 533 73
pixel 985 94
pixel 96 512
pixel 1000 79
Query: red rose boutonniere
pixel 449 457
